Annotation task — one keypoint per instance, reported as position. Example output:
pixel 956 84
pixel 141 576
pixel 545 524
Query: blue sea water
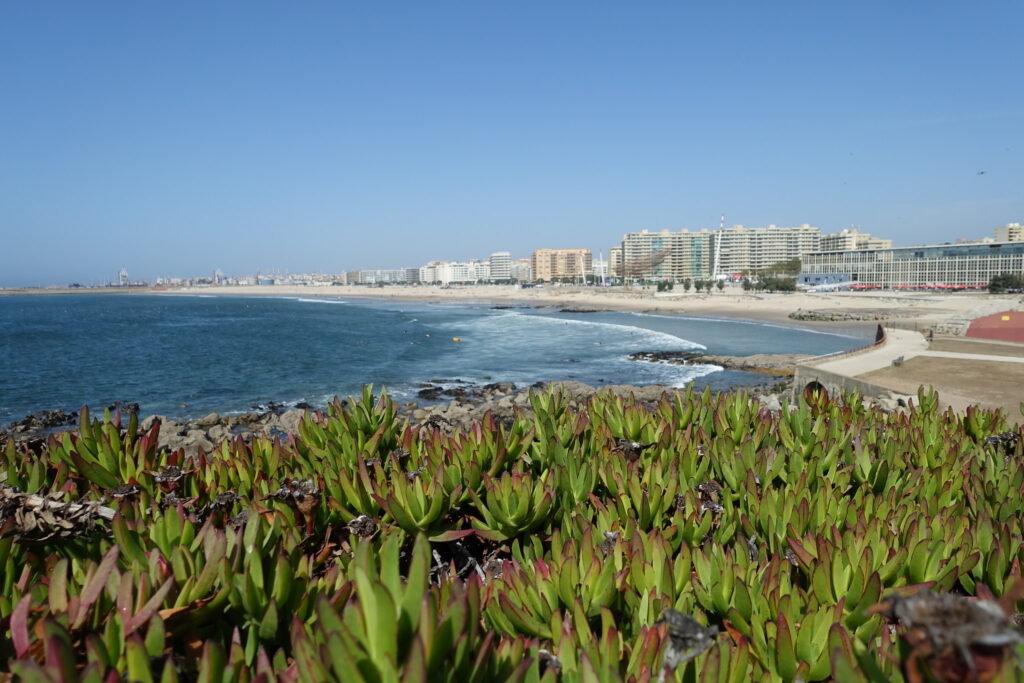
pixel 186 356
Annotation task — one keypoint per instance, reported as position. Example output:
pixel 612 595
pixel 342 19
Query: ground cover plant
pixel 703 539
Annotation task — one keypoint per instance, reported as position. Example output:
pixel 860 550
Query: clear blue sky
pixel 178 137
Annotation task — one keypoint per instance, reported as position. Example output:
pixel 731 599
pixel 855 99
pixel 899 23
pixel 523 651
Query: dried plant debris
pixel 686 637
pixel 31 517
pixel 952 637
pixel 547 662
pixel 610 539
pixel 709 493
pixel 303 497
pixel 631 449
pixel 124 491
pixel 362 526
pixel 239 520
pixel 169 478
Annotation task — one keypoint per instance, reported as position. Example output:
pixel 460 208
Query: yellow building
pixel 557 264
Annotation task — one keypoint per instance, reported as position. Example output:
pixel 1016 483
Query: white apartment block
pixel 501 266
pixel 743 249
pixel 481 270
pixel 448 272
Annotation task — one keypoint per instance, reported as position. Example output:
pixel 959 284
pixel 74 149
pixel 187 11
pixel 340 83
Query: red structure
pixel 1005 326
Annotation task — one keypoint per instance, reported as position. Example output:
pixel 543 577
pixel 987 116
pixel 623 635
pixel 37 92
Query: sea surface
pixel 186 356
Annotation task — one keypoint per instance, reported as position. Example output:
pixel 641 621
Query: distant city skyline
pixel 178 139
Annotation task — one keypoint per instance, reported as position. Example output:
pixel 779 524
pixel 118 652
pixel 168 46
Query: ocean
pixel 186 356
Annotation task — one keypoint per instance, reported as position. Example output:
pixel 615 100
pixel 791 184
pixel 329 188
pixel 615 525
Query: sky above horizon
pixel 173 139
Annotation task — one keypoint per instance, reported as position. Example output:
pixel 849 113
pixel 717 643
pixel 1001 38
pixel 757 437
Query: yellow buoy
pixel 456 339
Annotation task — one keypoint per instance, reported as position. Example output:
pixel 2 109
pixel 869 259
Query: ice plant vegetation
pixel 701 539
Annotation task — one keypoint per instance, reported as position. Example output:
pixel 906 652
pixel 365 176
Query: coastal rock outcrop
pixel 767 363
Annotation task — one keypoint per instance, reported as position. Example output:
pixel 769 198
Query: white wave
pixel 678 376
pixel 740 321
pixel 633 330
pixel 316 301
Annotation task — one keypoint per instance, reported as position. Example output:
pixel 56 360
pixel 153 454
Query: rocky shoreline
pixel 469 404
pixel 783 364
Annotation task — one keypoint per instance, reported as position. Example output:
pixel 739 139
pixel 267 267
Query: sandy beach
pixel 732 302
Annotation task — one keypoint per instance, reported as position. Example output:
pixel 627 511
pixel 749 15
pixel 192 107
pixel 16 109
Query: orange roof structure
pixel 1005 326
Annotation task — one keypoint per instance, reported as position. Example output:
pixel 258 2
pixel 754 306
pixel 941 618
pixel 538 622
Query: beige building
pixel 615 261
pixel 1011 232
pixel 852 240
pixel 557 264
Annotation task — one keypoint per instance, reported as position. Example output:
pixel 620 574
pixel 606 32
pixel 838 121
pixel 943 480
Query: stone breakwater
pixel 852 315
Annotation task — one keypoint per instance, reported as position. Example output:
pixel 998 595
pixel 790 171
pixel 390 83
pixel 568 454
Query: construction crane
pixel 716 271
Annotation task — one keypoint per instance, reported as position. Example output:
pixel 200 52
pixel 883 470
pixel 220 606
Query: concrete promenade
pixel 900 343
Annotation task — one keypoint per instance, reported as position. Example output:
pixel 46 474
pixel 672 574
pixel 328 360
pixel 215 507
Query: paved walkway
pixel 903 343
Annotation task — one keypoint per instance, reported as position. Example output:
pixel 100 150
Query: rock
pixel 209 420
pixel 218 433
pixel 499 388
pixel 431 394
pixel 771 403
pixel 147 423
pixel 289 422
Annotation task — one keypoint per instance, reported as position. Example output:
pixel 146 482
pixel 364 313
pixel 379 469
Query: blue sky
pixel 176 138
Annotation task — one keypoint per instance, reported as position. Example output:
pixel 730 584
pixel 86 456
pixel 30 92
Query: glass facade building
pixel 939 266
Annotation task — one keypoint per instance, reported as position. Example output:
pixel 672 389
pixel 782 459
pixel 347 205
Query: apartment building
pixel 681 254
pixel 615 261
pixel 666 255
pixel 382 276
pixel 967 265
pixel 852 240
pixel 556 264
pixel 521 270
pixel 448 272
pixel 1011 232
pixel 743 249
pixel 501 266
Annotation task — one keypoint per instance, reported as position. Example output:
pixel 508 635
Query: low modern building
pixel 939 266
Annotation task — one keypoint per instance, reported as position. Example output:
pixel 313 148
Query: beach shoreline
pixel 860 309
pixel 731 303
